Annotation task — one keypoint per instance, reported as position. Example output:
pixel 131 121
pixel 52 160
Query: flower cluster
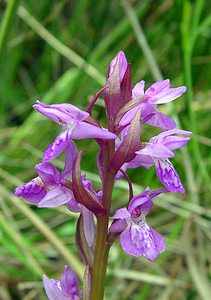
pixel 121 146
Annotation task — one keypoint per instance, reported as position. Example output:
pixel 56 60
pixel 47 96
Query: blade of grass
pixel 142 41
pixel 7 23
pixel 189 35
pixel 19 241
pixel 60 47
pixel 201 282
pixel 5 28
pixel 145 277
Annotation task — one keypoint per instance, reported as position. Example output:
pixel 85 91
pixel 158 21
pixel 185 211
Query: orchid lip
pixel 141 220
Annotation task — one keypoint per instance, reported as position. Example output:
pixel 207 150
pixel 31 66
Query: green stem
pixel 6 23
pixel 101 245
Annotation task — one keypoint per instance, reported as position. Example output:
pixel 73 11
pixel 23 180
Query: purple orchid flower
pixel 49 190
pixel 65 289
pixel 74 126
pixel 156 152
pixel 158 93
pixel 137 238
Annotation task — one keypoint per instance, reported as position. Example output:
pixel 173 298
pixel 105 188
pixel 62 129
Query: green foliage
pixel 58 51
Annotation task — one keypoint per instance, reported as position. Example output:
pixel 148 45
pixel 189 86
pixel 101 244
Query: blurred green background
pixel 59 51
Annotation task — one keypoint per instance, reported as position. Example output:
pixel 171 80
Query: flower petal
pixel 167 95
pixel 49 174
pixel 60 143
pixel 158 119
pixel 129 116
pixel 156 150
pixel 157 87
pixel 168 176
pixel 85 131
pixel 122 64
pixel 141 201
pixel 118 226
pixel 62 114
pixel 138 90
pixel 140 160
pixel 52 289
pixel 70 156
pixel 142 241
pixel 69 284
pixel 33 191
pixel 170 140
pixel 56 197
pixel 176 142
pixel 167 133
pixel 121 213
pixel 88 225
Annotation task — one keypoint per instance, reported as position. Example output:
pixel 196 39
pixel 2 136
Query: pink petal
pixel 168 95
pixel 138 90
pixel 88 224
pixel 157 87
pixel 70 156
pixel 160 92
pixel 129 116
pixel 121 213
pixel 56 197
pixel 122 64
pixel 85 131
pixel 176 142
pixel 61 113
pixel 161 120
pixel 156 150
pixel 49 174
pixel 60 143
pixel 142 241
pixel 33 191
pixel 168 176
pixel 140 160
pixel 118 226
pixel 69 284
pixel 52 289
